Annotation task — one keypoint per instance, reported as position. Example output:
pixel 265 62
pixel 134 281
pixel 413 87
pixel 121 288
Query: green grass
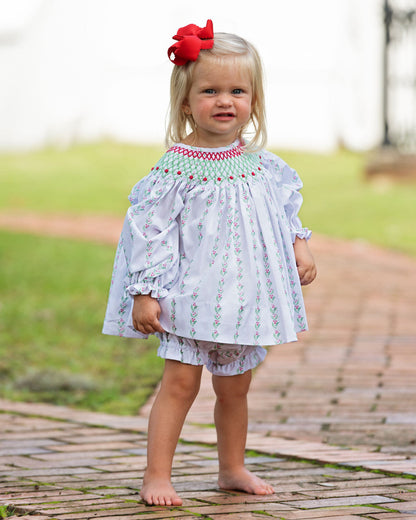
pixel 51 348
pixel 84 179
pixel 6 511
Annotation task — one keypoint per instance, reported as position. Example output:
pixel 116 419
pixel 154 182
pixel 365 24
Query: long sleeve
pixel 147 255
pixel 150 237
pixel 289 185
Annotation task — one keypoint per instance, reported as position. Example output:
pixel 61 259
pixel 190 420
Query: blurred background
pixel 84 90
pixel 75 71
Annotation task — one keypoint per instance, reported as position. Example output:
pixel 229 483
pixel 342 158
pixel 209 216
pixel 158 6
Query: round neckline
pixel 236 144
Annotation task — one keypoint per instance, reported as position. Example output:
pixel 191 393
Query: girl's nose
pixel 224 100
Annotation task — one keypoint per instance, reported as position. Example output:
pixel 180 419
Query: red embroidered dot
pixel 152 168
pixel 243 175
pixel 253 174
pixel 157 167
pixel 166 171
pixel 191 177
pixel 179 173
pixel 204 179
pixel 219 178
pixel 231 177
pixel 259 168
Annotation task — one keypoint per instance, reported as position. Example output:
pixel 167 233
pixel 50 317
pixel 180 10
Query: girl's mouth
pixel 224 115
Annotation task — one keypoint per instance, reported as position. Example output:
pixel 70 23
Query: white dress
pixel 210 233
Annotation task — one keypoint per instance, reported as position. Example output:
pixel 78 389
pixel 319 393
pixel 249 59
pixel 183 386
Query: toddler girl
pixel 212 254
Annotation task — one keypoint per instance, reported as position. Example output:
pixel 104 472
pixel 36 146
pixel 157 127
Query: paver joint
pixel 332 420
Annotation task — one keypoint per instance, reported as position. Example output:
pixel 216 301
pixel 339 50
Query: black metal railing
pixel 399 75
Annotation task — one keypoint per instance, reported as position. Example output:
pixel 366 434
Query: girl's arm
pixel 146 312
pixel 304 261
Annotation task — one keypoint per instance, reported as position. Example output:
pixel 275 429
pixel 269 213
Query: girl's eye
pixel 209 91
pixel 238 91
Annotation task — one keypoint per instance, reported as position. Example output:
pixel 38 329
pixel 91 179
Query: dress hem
pixel 266 340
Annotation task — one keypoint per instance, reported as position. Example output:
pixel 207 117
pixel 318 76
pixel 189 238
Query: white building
pixel 82 70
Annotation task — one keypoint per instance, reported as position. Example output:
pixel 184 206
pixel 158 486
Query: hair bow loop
pixel 190 40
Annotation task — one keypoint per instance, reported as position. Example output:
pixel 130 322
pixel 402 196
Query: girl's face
pixel 219 101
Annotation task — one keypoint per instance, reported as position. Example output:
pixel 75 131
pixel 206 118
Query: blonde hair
pixel 225 46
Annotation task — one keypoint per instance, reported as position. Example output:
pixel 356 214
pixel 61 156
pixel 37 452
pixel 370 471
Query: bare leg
pixel 179 387
pixel 231 419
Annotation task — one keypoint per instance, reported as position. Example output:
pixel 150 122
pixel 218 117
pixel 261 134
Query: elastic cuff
pixel 252 360
pixel 303 233
pixel 145 288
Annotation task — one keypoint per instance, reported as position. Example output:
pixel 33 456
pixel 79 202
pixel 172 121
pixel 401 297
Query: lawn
pixel 54 291
pixel 93 178
pixel 53 297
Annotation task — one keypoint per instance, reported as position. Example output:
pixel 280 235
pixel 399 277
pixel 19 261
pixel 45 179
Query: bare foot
pixel 243 480
pixel 159 492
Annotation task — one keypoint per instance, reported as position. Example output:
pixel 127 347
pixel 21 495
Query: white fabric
pixel 210 233
pixel 221 359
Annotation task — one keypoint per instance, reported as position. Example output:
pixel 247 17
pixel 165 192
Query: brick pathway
pixel 332 422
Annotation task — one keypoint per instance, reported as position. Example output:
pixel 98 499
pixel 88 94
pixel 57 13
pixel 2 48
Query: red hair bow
pixel 191 39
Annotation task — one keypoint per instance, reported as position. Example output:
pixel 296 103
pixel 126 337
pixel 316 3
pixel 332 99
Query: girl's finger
pixel 157 327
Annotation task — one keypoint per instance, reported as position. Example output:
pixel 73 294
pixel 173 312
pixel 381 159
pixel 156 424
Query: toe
pixel 147 499
pixel 177 501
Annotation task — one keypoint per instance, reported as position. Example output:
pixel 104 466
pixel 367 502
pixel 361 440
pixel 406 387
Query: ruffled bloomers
pixel 221 359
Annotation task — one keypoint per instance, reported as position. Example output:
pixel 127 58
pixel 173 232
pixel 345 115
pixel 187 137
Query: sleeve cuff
pixel 147 288
pixel 303 233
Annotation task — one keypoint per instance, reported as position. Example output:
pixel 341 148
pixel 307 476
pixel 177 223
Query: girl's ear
pixel 186 108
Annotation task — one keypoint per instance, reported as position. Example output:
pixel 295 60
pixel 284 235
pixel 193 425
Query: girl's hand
pixel 146 312
pixel 304 261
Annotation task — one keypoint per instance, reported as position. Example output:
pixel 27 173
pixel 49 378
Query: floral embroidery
pixel 299 318
pixel 296 297
pixel 173 314
pixel 241 365
pixel 181 342
pixel 122 312
pixel 272 307
pixel 223 273
pixel 185 215
pixel 198 354
pixel 214 252
pixel 220 290
pixel 194 312
pixel 240 285
pixel 257 311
